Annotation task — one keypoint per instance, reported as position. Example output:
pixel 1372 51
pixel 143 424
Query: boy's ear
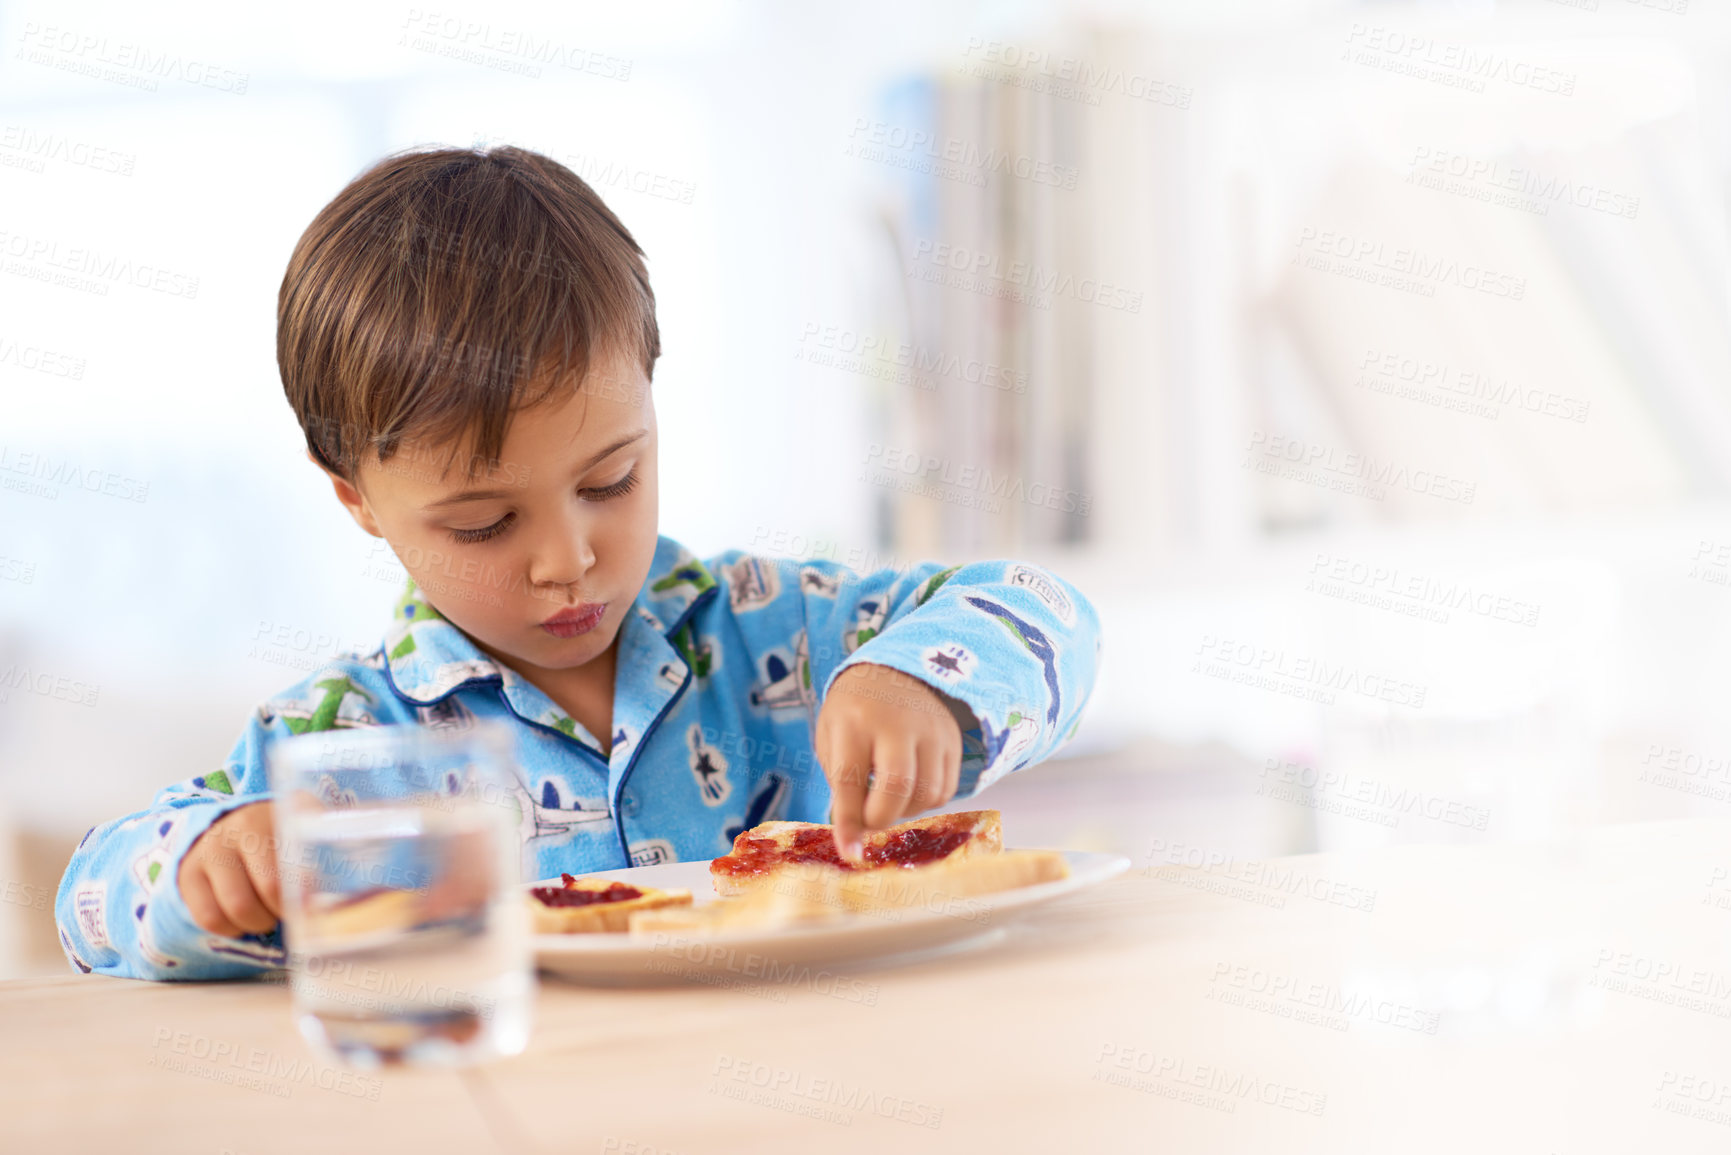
pixel 352 499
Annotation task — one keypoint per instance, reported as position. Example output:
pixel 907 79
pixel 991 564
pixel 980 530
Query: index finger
pixel 850 763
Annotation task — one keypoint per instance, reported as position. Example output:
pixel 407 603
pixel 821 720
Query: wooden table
pixel 1564 998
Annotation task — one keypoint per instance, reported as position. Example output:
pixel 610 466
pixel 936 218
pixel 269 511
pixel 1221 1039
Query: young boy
pixel 467 339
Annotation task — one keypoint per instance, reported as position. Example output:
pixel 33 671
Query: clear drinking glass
pixel 407 936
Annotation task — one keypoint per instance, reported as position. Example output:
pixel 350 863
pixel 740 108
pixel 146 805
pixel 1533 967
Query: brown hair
pixel 444 289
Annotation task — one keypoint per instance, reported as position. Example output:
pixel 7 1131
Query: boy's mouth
pixel 574 620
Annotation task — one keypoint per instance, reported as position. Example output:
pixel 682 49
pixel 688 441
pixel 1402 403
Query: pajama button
pixel 628 805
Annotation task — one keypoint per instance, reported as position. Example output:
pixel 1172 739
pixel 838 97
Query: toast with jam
pixel 769 850
pixel 594 905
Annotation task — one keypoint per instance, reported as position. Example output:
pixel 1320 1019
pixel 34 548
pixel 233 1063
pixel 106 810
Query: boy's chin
pixel 569 653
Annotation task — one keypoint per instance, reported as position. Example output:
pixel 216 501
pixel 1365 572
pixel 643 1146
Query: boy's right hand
pixel 228 877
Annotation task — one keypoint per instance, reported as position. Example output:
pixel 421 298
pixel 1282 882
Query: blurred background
pixel 1365 363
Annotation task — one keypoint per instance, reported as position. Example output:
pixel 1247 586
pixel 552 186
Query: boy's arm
pixel 119 908
pixel 1011 643
pixel 1012 647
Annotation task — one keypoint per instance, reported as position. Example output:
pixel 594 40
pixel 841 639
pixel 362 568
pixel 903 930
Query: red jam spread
pixel 567 895
pixel 919 846
pixel 912 847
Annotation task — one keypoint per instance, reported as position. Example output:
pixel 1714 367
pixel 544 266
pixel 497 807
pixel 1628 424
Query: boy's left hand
pixel 880 723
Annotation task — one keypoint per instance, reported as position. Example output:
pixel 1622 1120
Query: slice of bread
pixel 807 893
pixel 761 908
pixel 771 848
pixel 942 887
pixel 601 905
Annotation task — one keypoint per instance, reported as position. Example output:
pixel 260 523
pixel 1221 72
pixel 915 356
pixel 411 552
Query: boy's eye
pixel 604 493
pixel 485 532
pixel 618 489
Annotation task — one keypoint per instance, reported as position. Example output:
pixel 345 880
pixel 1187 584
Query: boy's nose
pixel 563 558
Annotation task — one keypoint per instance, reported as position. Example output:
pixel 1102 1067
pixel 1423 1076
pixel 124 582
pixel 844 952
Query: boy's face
pixel 567 519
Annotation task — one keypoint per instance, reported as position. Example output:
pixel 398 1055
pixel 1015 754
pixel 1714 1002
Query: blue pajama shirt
pixel 722 665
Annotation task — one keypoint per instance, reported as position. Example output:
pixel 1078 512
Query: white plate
pixel 750 957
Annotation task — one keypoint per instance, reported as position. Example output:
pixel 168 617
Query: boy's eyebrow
pixel 489 494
